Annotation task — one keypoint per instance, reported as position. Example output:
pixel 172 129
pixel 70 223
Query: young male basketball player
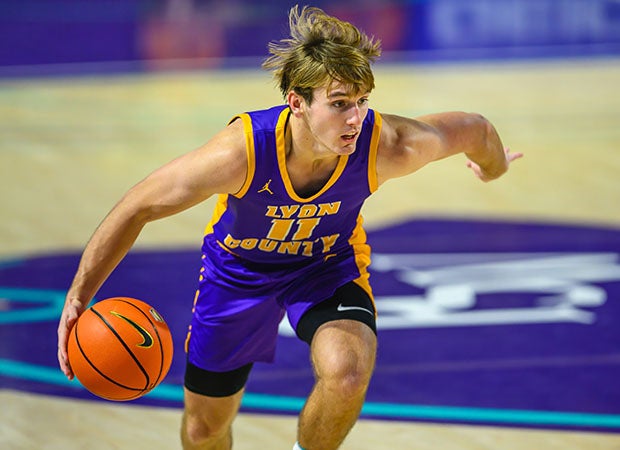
pixel 286 235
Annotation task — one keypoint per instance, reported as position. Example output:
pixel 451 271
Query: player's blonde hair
pixel 322 49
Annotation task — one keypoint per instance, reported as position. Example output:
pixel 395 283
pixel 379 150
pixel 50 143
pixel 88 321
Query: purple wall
pixel 143 34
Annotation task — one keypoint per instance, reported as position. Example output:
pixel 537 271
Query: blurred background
pixel 68 36
pixel 87 86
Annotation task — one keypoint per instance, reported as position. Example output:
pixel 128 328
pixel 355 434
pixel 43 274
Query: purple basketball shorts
pixel 239 304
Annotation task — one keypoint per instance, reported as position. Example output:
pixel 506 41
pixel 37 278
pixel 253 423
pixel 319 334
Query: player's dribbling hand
pixel 70 314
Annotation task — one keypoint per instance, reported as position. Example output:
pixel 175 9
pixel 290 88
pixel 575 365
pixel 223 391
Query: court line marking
pixel 277 403
pixel 51 302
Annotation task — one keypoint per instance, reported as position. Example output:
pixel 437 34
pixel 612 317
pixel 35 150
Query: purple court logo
pixel 563 287
pixel 479 322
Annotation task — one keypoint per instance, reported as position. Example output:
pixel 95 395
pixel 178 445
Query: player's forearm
pixel 105 250
pixel 488 151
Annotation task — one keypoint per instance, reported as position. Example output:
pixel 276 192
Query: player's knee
pixel 344 361
pixel 348 376
pixel 353 384
pixel 196 431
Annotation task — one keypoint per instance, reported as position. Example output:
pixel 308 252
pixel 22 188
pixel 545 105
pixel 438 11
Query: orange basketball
pixel 120 348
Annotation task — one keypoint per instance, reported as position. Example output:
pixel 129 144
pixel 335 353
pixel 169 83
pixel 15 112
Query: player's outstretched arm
pixel 220 166
pixel 406 144
pixel 480 173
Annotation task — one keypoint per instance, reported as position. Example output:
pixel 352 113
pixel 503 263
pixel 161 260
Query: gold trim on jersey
pixel 362 257
pixel 250 152
pixel 372 155
pixel 222 199
pixel 218 212
pixel 281 153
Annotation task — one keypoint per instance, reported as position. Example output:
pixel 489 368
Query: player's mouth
pixel 349 138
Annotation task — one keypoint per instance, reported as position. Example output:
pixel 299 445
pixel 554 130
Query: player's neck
pixel 304 147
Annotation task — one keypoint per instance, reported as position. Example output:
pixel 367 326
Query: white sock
pixel 297 446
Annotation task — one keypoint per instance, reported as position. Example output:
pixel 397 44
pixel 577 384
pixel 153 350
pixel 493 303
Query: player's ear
pixel 295 102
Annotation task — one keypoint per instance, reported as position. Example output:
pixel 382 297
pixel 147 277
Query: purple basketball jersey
pixel 268 251
pixel 268 222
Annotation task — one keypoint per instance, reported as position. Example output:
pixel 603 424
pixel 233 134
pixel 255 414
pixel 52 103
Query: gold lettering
pixel 249 243
pixel 267 245
pixel 288 211
pixel 279 229
pixel 307 211
pixel 291 248
pixel 328 242
pixel 304 247
pixel 305 227
pixel 272 211
pixel 230 242
pixel 307 251
pixel 329 208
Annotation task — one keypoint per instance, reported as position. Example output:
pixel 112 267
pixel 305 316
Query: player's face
pixel 335 118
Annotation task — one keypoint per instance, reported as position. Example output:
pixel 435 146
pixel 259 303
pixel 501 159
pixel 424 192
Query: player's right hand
pixel 70 313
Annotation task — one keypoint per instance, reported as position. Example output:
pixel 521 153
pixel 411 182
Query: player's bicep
pixel 454 132
pixel 219 166
pixel 406 145
pixel 409 144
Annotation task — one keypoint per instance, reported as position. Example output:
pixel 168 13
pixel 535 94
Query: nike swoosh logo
pixel 147 339
pixel 341 308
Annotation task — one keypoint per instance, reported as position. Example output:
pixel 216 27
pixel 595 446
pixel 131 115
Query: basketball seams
pixel 124 344
pixel 154 327
pixel 103 366
pixel 96 369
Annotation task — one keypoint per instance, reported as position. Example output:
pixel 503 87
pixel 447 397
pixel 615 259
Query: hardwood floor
pixel 69 148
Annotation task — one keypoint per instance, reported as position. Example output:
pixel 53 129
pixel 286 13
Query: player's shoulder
pixel 402 146
pixel 394 123
pixel 227 144
pixel 396 131
pixel 399 131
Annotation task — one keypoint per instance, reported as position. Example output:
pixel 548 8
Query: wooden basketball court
pixel 70 147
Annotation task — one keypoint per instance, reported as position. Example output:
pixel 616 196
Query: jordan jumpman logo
pixel 266 187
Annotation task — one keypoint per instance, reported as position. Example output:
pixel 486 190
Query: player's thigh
pixel 349 301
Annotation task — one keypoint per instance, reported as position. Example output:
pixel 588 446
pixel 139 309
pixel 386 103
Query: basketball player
pixel 286 235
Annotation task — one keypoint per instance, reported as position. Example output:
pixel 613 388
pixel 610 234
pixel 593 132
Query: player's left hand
pixel 510 157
